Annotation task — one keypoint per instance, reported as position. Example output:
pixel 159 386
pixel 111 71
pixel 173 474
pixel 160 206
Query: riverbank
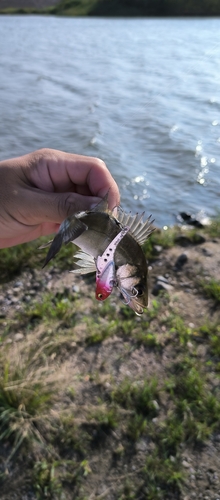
pixel 112 8
pixel 99 403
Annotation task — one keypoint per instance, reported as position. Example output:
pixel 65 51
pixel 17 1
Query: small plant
pixel 213 229
pixel 196 407
pixel 137 426
pixel 23 399
pixel 212 333
pixel 177 326
pixel 50 308
pixel 105 417
pixel 139 396
pixel 211 288
pixel 49 476
pixel 161 476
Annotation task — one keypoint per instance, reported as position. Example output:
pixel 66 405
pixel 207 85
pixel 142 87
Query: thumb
pixel 55 207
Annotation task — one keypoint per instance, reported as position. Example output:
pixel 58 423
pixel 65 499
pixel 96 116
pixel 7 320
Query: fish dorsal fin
pixel 140 230
pixel 85 263
pixel 102 206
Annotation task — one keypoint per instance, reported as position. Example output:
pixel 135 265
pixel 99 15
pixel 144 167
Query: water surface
pixel 142 94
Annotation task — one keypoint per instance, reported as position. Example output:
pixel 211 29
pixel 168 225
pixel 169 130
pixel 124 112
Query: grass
pixel 24 401
pixel 211 288
pixel 49 477
pixel 141 396
pixel 196 406
pixel 16 259
pixel 160 475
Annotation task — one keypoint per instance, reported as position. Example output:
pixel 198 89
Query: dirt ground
pixel 89 358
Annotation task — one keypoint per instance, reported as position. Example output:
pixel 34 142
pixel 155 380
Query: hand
pixel 39 190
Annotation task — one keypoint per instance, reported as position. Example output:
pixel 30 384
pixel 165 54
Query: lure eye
pixel 99 295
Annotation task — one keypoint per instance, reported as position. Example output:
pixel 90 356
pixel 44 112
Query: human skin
pixel 40 189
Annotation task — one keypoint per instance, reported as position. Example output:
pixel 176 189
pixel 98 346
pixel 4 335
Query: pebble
pixel 182 240
pixel 182 259
pixel 158 248
pixel 26 298
pixel 141 445
pixel 207 252
pixel 18 336
pixel 161 278
pixel 18 284
pixel 161 285
pixel 8 341
pixel 185 464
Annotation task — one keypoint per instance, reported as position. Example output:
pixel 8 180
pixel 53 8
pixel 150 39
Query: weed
pixel 105 417
pixel 211 289
pixel 136 427
pixel 161 237
pixel 140 396
pixel 178 327
pixel 161 476
pixel 15 259
pixel 212 333
pixel 49 476
pixel 168 435
pixel 69 435
pixel 213 229
pixel 97 331
pixel 197 408
pixel 147 339
pixel 23 399
pixel 50 308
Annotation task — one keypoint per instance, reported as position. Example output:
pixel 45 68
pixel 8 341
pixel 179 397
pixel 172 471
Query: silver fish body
pixel 93 231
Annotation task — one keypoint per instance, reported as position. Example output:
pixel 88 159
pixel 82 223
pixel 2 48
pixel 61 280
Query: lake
pixel 142 94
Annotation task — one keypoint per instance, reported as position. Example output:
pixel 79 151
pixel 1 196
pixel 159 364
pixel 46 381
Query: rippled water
pixel 142 94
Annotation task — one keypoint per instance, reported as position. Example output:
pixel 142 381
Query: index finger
pixel 70 172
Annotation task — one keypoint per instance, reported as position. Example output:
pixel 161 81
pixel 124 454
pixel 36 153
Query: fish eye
pixel 137 291
pixel 99 295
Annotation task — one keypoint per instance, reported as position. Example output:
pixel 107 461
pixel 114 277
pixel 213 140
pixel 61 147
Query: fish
pixel 94 232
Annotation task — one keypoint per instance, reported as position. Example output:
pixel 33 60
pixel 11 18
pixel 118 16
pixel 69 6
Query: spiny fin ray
pixel 140 230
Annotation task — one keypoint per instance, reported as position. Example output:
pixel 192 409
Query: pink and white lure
pixel 105 267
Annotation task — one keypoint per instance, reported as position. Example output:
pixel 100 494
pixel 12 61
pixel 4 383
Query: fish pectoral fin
pixel 70 229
